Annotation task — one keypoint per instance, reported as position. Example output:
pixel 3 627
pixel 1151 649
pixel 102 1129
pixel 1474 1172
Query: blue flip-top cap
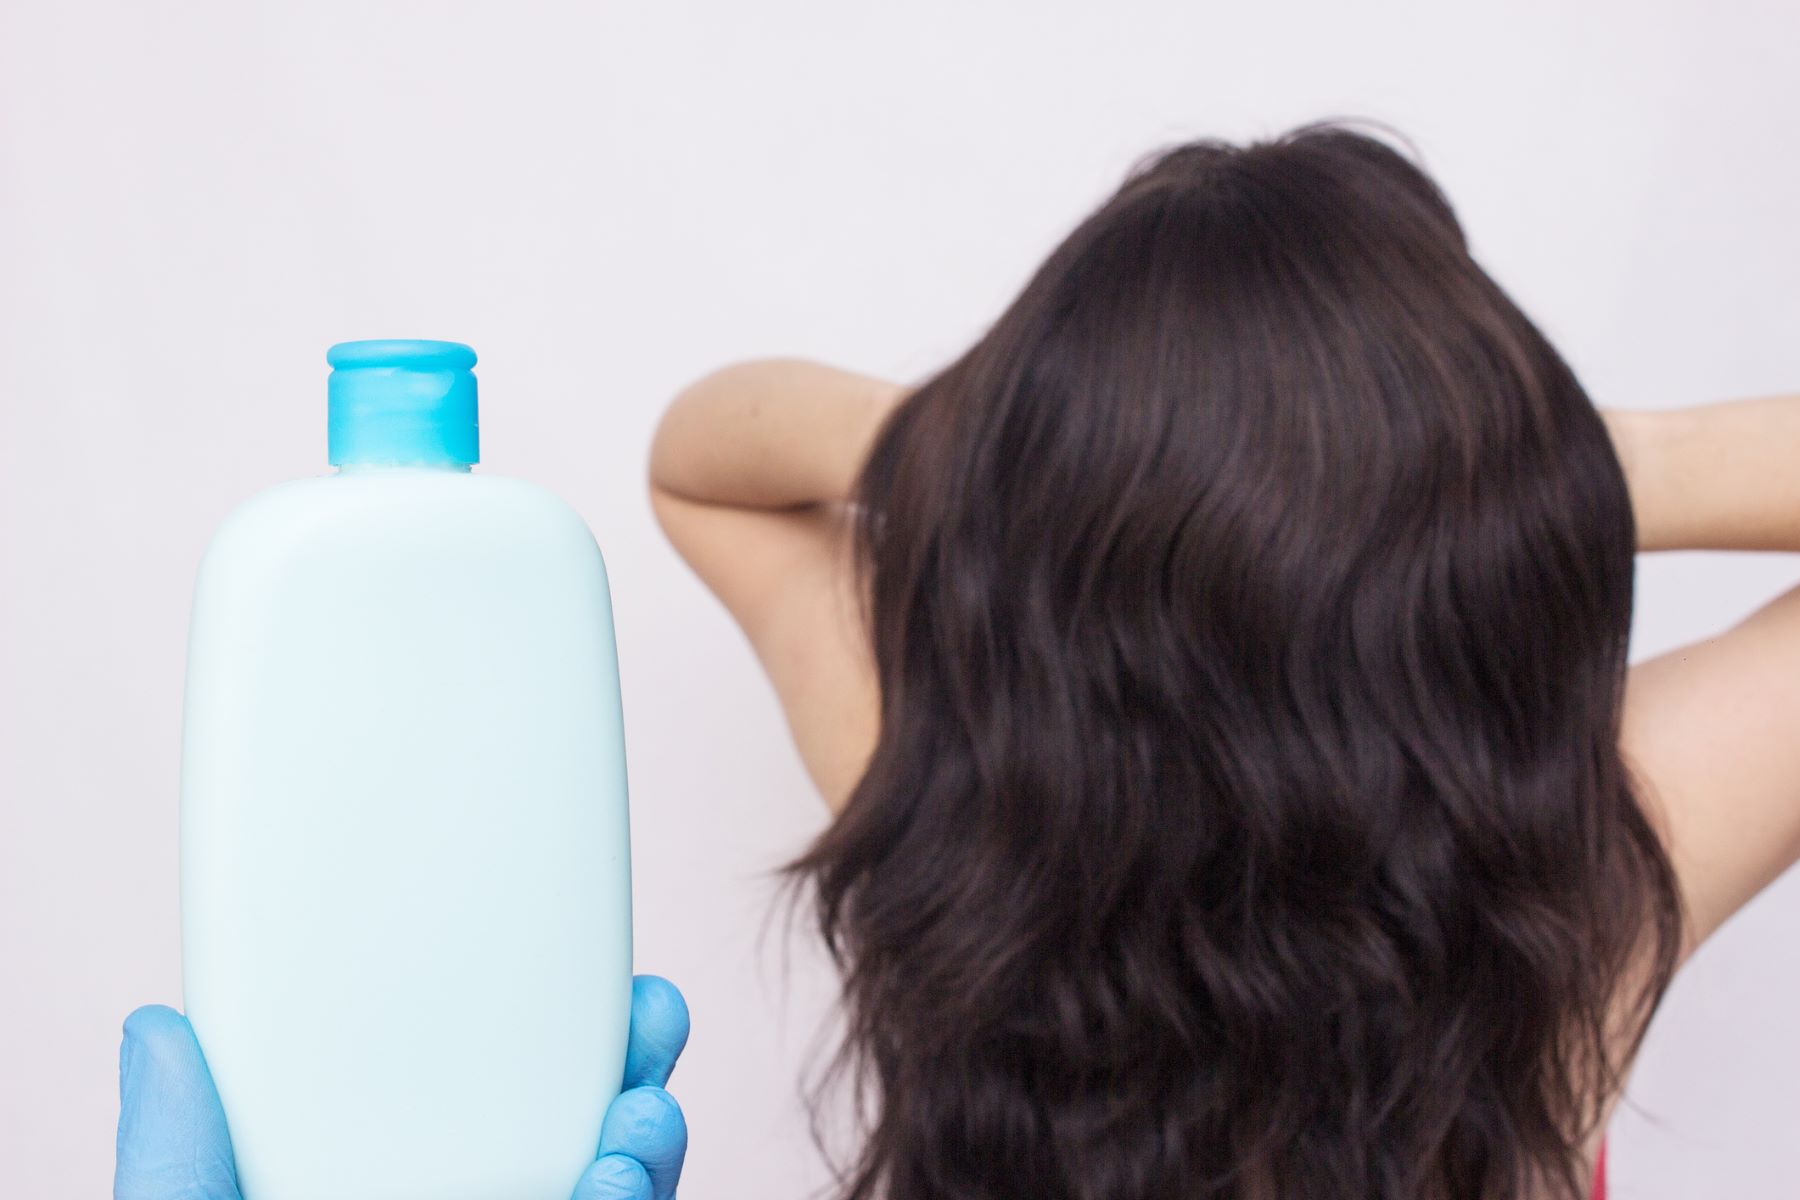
pixel 397 402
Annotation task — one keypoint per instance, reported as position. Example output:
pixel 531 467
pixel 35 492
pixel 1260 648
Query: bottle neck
pixel 447 468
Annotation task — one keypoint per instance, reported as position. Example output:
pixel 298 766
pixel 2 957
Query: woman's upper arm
pixel 1712 731
pixel 785 577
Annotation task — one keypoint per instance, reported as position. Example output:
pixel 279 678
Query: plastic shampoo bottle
pixel 406 927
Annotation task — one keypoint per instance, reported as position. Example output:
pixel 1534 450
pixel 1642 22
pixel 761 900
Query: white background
pixel 608 199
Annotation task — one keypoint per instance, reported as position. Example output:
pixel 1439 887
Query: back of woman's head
pixel 1250 607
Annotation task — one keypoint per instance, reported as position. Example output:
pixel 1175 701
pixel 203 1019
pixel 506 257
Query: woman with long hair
pixel 1219 676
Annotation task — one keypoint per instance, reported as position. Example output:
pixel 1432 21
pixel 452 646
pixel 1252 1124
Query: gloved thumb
pixel 172 1139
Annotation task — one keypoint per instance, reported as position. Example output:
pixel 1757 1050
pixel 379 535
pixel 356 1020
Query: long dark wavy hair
pixel 1250 608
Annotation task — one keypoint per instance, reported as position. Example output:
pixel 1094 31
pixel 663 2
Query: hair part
pixel 1250 609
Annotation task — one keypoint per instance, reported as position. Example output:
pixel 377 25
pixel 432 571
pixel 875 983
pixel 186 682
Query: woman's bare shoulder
pixel 785 577
pixel 1712 733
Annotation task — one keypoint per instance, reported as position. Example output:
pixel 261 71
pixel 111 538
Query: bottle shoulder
pixel 425 511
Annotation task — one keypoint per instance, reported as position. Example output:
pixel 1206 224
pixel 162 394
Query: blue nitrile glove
pixel 173 1144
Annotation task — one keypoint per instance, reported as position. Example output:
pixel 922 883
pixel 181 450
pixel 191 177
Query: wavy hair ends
pixel 1250 609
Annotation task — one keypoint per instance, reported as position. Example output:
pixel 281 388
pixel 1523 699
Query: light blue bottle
pixel 406 893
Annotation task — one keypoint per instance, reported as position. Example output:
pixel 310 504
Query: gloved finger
pixel 172 1139
pixel 614 1177
pixel 659 1029
pixel 645 1123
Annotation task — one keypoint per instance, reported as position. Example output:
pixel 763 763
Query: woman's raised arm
pixel 748 472
pixel 769 434
pixel 1712 729
pixel 1715 476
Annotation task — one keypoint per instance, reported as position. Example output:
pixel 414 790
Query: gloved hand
pixel 173 1144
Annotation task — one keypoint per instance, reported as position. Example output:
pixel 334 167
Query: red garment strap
pixel 1600 1172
